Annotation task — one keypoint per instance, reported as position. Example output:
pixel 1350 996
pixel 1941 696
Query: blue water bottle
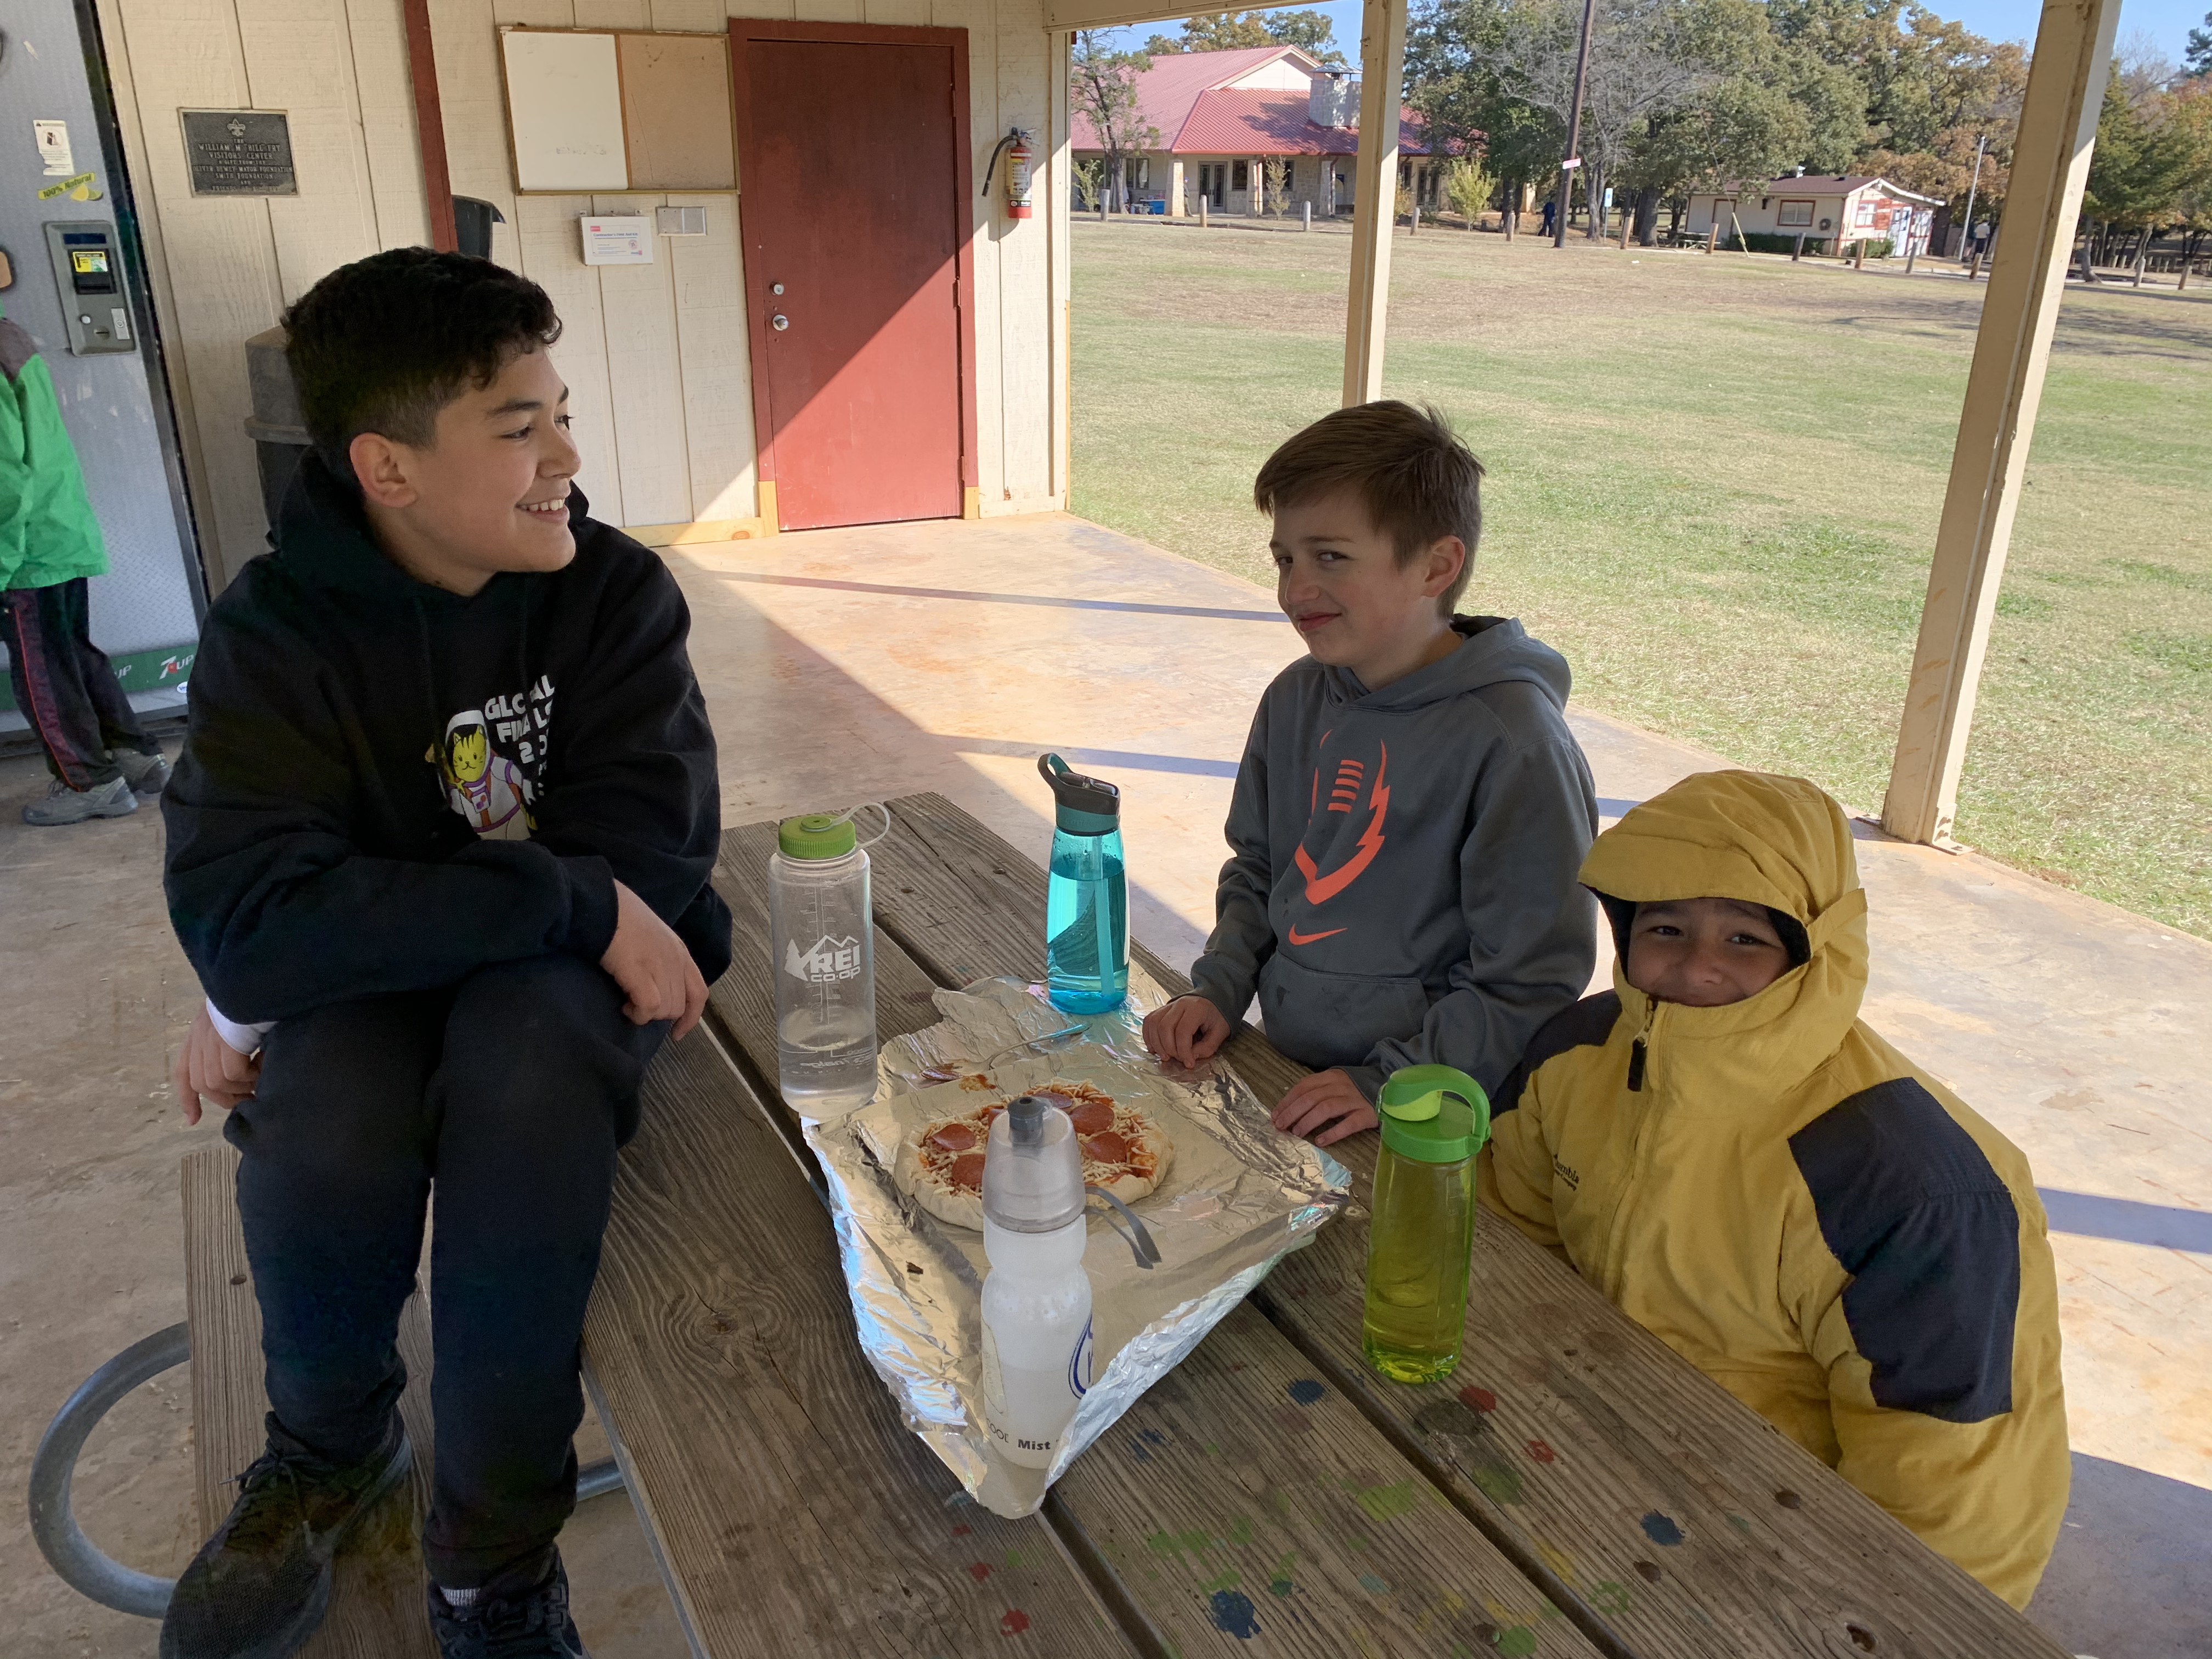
pixel 1086 918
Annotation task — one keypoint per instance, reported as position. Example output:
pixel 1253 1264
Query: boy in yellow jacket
pixel 1723 1146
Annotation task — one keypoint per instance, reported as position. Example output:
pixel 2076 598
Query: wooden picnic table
pixel 1574 1489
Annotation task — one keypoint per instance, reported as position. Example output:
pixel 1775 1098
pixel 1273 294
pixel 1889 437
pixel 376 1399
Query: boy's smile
pixel 1704 953
pixel 1339 581
pixel 489 493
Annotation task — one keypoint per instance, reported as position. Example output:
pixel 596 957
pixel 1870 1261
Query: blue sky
pixel 2166 21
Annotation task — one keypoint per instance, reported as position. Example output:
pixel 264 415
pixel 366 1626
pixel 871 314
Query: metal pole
pixel 1572 155
pixel 1967 236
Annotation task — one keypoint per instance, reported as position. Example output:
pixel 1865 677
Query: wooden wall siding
pixel 655 357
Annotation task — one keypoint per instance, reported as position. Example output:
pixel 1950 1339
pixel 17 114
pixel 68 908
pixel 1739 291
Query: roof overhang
pixel 1108 14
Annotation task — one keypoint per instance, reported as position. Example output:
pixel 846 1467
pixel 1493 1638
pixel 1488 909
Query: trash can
pixel 280 440
pixel 472 222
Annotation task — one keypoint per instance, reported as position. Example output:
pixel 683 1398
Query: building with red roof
pixel 1257 129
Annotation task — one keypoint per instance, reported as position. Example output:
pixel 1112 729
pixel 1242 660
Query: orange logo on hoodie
pixel 1344 797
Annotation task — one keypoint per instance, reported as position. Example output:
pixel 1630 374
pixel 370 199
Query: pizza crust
pixel 940 1160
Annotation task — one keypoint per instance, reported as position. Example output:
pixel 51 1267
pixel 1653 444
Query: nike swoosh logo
pixel 1296 937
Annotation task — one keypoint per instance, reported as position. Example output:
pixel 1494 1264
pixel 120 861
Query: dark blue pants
pixel 65 686
pixel 506 1095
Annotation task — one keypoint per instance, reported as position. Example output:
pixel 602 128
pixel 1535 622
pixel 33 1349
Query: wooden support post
pixel 2012 349
pixel 430 124
pixel 1374 196
pixel 1305 214
pixel 1175 188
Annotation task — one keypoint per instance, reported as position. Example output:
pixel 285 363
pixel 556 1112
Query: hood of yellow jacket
pixel 1776 842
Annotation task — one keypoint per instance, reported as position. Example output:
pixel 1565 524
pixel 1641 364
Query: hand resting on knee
pixel 655 970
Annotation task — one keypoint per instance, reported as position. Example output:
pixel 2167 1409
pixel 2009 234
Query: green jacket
pixel 47 531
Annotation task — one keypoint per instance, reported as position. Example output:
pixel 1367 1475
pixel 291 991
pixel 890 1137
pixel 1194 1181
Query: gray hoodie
pixel 1402 888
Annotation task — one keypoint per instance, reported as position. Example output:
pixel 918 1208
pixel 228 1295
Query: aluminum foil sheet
pixel 1237 1197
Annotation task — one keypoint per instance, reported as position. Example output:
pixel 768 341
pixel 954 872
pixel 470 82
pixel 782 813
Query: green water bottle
pixel 1421 1237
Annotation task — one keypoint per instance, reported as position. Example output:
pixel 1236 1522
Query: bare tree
pixel 1103 84
pixel 1637 69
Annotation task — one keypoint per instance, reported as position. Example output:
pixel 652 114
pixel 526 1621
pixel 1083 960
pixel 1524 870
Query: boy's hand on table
pixel 210 1071
pixel 1186 1032
pixel 1324 1108
pixel 655 970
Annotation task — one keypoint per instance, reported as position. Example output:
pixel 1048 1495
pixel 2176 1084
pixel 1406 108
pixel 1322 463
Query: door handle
pixel 779 323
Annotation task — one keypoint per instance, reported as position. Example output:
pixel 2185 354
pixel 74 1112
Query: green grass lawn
pixel 1714 482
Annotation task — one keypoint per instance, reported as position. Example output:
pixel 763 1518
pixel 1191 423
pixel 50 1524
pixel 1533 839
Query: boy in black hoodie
pixel 438 848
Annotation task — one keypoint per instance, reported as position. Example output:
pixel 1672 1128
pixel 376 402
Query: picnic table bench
pixel 1574 1489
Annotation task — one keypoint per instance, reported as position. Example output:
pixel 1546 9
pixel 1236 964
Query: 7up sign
pixel 828 962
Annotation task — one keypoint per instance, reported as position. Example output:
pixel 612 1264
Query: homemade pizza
pixel 940 1161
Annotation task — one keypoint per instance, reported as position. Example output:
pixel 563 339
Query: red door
pixel 853 162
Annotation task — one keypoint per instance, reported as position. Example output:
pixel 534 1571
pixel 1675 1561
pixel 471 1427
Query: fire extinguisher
pixel 1016 146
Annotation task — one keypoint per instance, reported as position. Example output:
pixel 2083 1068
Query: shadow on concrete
pixel 2128 1578
pixel 796 733
pixel 2165 1226
pixel 1057 601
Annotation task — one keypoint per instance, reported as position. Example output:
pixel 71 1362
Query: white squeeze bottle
pixel 823 962
pixel 1037 1299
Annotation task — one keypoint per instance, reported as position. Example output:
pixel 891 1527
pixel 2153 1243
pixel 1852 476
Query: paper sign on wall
pixel 622 240
pixel 54 148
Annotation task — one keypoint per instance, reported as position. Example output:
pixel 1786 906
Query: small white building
pixel 1830 211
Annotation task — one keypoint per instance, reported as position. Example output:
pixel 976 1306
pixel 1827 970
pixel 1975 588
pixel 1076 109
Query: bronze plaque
pixel 239 152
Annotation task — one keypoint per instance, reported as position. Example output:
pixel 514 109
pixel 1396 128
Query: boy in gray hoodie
pixel 1411 808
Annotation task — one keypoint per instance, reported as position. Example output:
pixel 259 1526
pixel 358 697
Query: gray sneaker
pixel 148 774
pixel 261 1585
pixel 64 805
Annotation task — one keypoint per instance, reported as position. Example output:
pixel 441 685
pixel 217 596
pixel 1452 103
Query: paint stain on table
pixel 1014 1623
pixel 1233 1613
pixel 1306 1391
pixel 1661 1529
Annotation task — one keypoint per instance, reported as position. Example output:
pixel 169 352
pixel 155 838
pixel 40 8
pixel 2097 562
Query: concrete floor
pixel 850 666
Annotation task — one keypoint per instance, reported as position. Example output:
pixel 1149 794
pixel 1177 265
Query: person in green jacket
pixel 50 544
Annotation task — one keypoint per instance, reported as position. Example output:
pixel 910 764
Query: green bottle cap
pixel 1433 1115
pixel 816 836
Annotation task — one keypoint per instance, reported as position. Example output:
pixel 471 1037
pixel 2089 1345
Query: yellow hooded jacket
pixel 1791 1205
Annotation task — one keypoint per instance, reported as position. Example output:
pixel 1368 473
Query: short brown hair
pixel 1420 483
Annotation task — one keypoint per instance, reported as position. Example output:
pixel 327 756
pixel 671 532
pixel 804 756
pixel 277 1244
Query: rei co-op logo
pixel 829 961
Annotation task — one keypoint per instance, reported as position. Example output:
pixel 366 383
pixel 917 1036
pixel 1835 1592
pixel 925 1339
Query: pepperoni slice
pixel 1092 1117
pixel 1106 1147
pixel 954 1137
pixel 967 1170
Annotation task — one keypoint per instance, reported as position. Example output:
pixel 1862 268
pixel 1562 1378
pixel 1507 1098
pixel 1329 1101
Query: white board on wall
pixel 564 103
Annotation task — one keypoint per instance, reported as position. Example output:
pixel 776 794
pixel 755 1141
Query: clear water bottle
pixel 1037 1299
pixel 824 966
pixel 1420 1239
pixel 1086 923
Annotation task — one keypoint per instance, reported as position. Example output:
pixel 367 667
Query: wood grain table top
pixel 1575 1488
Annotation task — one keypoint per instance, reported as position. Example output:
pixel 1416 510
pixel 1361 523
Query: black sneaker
pixel 261 1585
pixel 506 1622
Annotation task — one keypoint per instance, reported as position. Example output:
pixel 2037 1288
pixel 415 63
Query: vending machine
pixel 75 278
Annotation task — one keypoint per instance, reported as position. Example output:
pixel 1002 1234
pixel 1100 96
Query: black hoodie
pixel 387 786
